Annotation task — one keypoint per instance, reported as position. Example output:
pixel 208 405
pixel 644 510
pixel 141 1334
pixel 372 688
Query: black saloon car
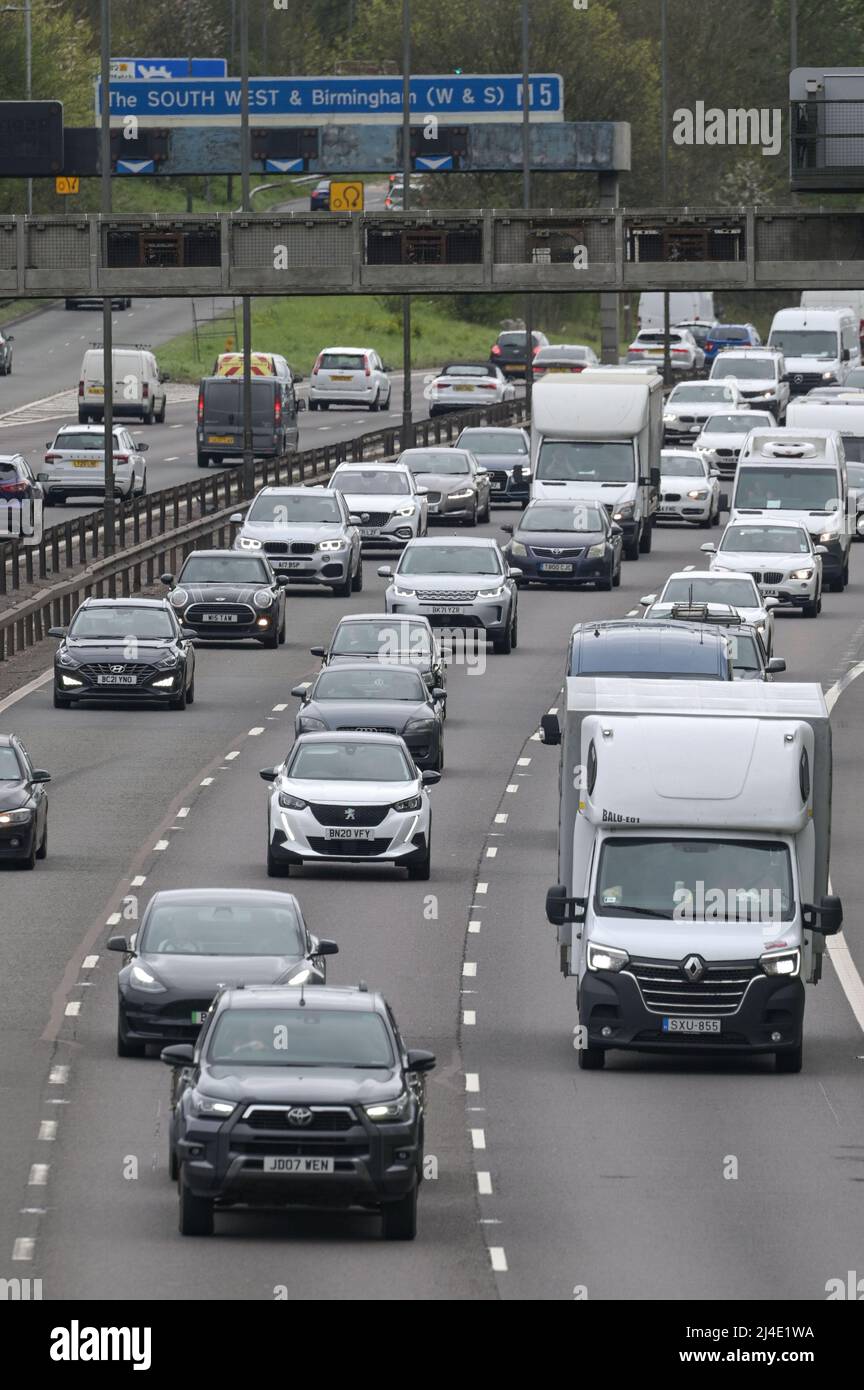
pixel 191 942
pixel 378 637
pixel 23 805
pixel 566 543
pixel 299 1098
pixel 373 697
pixel 124 648
pixel 223 595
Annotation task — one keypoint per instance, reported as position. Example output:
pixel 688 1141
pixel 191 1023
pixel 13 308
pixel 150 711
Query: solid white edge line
pixel 26 690
pixel 838 951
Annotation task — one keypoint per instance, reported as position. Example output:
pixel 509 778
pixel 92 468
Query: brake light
pixel 366 366
pixel 122 458
pixel 200 407
pixel 145 391
pixel 318 361
pixel 51 458
pixel 496 351
pixel 277 410
pixel 486 385
pixel 534 351
pixel 80 388
pixel 14 489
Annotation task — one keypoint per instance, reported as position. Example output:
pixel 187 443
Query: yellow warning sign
pixel 346 197
pixel 66 185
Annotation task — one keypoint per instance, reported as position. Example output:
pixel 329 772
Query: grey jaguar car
pixel 368 697
pixel 457 484
pixel 306 533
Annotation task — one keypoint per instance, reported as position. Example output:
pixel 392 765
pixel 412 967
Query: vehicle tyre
pixel 149 418
pixel 29 860
pixel 791 1061
pixel 283 628
pixel 195 1217
pixel 203 460
pixel 344 590
pixel 646 538
pixel 813 609
pixel 399 1219
pixel 126 1048
pixel 439 765
pixel 190 693
pixel 422 868
pixel 173 1165
pixel 160 418
pixel 357 582
pixel 271 640
pixel 605 584
pixel 376 404
pixel 715 520
pixel 61 702
pixel 181 701
pixel 633 548
pixel 42 851
pixel 503 644
pixel 83 417
pixel 433 411
pixel 487 510
pixel 323 405
pixel 472 519
pixel 312 405
pixel 276 868
pixel 591 1058
pixel 616 578
pixel 709 521
pixel 142 490
pixel 514 635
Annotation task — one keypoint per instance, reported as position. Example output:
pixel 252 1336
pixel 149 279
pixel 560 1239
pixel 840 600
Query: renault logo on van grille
pixel 693 968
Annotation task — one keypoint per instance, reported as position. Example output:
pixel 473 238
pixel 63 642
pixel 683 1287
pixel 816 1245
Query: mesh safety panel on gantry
pixel 552 241
pixel 309 243
pixel 8 248
pixel 57 245
pixel 799 237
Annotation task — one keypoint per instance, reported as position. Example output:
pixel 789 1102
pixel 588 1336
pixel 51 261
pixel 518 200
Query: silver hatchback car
pixel 457 581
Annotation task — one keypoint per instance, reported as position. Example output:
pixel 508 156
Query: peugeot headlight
pixel 178 598
pixel 596 552
pixel 309 724
pixel 211 1108
pixel 292 803
pixel 19 817
pixel 462 495
pixel 518 549
pixel 411 803
pixel 249 543
pixel 385 1112
pixel 405 511
pixel 141 978
pixel 781 962
pixel 801 574
pixel 606 957
pixel 498 592
pixel 332 545
pixel 698 494
pixel 624 512
pixel 263 599
pixel 399 592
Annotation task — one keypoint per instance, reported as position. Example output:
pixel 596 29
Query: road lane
pixel 550 1150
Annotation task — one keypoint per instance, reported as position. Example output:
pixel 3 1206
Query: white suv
pixel 349 376
pixel 760 375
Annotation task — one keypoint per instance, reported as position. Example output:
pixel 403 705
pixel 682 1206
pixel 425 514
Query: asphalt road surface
pixel 548 1181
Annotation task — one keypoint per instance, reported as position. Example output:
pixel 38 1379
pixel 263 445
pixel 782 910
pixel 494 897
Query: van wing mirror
pixel 561 909
pixel 550 730
pixel 829 914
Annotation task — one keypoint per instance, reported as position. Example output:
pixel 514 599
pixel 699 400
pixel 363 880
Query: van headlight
pixel 781 962
pixel 624 512
pixel 606 957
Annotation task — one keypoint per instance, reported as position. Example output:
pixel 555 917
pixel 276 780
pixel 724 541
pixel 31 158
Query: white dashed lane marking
pixel 73 1008
pixel 139 880
pixel 89 962
pixel 478 1138
pixel 58 1076
pixel 472 1081
pixel 498 1258
pixel 47 1130
pixel 484 1184
pixel 474 926
pixel 469 1018
pixel 38 1175
pixel 23 1248
pixel 161 844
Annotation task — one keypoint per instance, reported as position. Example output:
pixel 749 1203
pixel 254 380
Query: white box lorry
pixel 597 437
pixel 693 898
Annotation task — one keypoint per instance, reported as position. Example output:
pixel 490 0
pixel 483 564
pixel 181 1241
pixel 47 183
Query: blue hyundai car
pixel 727 335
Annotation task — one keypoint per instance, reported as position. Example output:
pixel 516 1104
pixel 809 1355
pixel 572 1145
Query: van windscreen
pixel 585 461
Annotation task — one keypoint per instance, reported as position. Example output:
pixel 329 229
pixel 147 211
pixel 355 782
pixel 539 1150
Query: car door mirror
pixel 769 603
pixel 317 651
pixel 429 777
pixel 326 947
pixel 167 580
pixel 268 774
pixel 355 520
pixel 236 518
pixel 385 571
pixel 180 1055
pixel 40 775
pixel 143 448
pixel 298 376
pixel 820 550
pixel 438 692
pixel 299 691
pixel 421 492
pixel 282 581
pixel 514 572
pixel 776 665
pixel 647 599
pixel 508 528
pixel 56 632
pixel 709 548
pixel 117 943
pixel 420 1060
pixel 301 403
pixel 164 376
pixel 189 634
pixel 615 529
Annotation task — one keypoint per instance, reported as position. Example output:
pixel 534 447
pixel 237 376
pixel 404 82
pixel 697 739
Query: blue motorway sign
pixel 285 101
pixel 164 69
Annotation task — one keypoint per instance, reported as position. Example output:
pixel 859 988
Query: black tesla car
pixel 129 648
pixel 23 805
pixel 566 543
pixel 223 594
pixel 194 940
pixel 369 697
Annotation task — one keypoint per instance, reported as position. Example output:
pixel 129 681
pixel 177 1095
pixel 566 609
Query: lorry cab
pixel 597 437
pixel 693 899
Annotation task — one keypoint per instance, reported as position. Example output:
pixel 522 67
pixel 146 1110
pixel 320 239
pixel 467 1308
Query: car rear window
pixel 8 472
pixel 343 362
pixel 647 659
